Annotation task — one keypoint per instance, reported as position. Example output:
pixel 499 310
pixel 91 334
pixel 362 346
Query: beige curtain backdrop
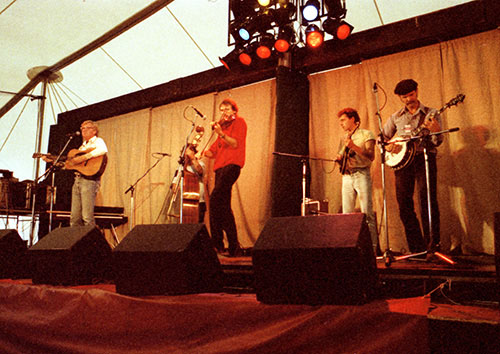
pixel 133 139
pixel 468 160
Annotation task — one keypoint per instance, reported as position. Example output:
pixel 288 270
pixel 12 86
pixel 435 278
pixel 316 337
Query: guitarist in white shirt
pixel 413 120
pixel 356 153
pixel 90 156
pixel 85 188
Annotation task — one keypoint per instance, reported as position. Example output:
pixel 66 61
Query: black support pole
pixel 292 137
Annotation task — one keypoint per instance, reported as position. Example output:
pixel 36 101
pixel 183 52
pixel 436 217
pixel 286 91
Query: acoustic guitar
pixel 90 168
pixel 402 150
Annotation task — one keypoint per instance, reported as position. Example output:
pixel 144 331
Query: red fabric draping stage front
pixel 95 319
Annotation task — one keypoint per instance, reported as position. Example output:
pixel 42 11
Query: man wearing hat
pixel 415 119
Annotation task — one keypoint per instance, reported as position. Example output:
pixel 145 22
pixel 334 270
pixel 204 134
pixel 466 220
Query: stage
pixel 420 307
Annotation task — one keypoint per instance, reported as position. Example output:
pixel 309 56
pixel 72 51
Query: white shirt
pixel 97 144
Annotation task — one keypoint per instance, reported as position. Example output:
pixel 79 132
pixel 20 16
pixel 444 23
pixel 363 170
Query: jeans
pixel 359 184
pixel 221 214
pixel 83 196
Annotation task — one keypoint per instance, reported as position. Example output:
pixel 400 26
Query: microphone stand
pixel 424 138
pixel 388 255
pixel 50 171
pixel 131 189
pixel 303 160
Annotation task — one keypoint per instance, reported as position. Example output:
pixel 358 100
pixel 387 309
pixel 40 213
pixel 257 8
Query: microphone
pixel 199 113
pixel 77 133
pixel 375 89
pixel 162 154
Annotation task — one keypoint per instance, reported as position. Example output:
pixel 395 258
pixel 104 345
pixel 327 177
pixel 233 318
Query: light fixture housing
pixel 310 11
pixel 314 36
pixel 265 46
pixel 233 58
pixel 339 29
pixel 335 8
pixel 285 39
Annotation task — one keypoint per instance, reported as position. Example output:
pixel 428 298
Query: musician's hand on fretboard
pixel 432 125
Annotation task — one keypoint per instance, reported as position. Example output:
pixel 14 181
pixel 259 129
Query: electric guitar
pixel 90 168
pixel 347 153
pixel 402 152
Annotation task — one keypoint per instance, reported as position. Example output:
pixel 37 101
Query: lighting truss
pixel 252 23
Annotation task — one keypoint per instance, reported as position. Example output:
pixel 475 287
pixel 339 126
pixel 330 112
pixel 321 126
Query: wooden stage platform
pixel 471 279
pixel 421 307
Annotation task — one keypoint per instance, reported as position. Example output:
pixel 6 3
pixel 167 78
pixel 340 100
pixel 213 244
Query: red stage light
pixel 314 37
pixel 281 45
pixel 245 59
pixel 263 52
pixel 344 30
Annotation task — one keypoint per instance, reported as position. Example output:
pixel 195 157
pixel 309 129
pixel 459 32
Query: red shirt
pixel 223 153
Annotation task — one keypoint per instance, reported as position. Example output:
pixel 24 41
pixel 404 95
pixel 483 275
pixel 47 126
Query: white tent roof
pixel 182 39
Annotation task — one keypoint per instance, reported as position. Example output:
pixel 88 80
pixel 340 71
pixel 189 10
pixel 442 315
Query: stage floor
pixel 471 279
pixel 420 307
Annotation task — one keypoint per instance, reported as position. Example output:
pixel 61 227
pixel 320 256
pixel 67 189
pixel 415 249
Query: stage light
pixel 344 30
pixel 265 46
pixel 284 12
pixel 284 39
pixel 247 54
pixel 314 37
pixel 264 3
pixel 241 9
pixel 240 30
pixel 335 8
pixel 339 29
pixel 245 58
pixel 244 34
pixel 310 11
pixel 263 21
pixel 231 58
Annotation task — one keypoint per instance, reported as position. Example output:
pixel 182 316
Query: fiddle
pixel 224 122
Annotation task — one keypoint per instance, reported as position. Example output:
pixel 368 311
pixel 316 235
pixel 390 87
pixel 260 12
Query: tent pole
pixel 99 42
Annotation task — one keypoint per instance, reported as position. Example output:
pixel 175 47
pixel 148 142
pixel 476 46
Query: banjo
pixel 403 150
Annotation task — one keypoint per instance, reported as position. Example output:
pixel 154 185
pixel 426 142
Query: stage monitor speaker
pixel 12 254
pixel 70 256
pixel 166 260
pixel 326 259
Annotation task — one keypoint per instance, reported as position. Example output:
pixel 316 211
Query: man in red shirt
pixel 229 154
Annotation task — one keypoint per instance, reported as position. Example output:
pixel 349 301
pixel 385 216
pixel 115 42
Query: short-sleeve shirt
pixel 359 138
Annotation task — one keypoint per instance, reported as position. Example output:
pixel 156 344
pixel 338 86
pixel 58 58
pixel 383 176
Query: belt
pixel 91 178
pixel 354 170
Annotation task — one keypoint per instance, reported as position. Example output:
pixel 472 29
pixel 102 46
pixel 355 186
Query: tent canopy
pixel 181 39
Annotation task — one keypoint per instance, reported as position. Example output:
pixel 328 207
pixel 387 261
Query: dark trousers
pixel 221 214
pixel 406 179
pixel 202 208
